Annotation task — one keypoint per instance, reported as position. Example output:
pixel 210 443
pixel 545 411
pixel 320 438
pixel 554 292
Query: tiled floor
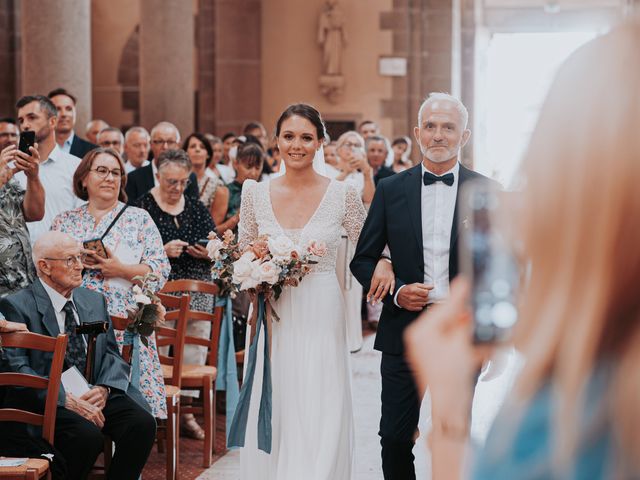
pixel 366 397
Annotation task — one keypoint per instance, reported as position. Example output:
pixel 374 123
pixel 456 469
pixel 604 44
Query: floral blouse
pixel 134 238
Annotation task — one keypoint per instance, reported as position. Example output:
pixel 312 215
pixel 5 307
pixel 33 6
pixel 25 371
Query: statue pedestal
pixel 332 87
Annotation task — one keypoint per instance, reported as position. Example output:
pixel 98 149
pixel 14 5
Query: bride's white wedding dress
pixel 312 437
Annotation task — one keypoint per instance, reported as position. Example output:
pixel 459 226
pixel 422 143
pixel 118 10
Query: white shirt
pixel 66 146
pixel 438 203
pixel 59 301
pixel 56 176
pixel 128 167
pixel 227 173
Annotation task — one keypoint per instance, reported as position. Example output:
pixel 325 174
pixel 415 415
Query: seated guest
pixel 401 147
pixel 133 245
pixel 213 194
pixel 164 136
pixel 248 165
pixel 56 303
pixel 183 222
pixel 377 148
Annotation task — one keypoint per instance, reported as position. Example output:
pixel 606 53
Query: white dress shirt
pixel 128 167
pixel 438 203
pixel 59 301
pixel 56 176
pixel 66 146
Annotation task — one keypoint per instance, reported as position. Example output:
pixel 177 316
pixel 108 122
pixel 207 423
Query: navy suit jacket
pixel 80 147
pixel 395 219
pixel 140 181
pixel 32 306
pixel 383 172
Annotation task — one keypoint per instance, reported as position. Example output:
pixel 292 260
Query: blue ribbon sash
pixel 237 432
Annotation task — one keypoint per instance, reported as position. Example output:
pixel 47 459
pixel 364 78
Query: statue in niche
pixel 332 37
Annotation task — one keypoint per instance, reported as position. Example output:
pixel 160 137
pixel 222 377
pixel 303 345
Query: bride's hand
pixel 383 282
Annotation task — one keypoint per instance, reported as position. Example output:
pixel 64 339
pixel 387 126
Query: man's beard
pixel 435 158
pixel 43 134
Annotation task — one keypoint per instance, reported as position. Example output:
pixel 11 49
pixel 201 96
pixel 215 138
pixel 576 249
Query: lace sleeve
pixel 248 227
pixel 354 214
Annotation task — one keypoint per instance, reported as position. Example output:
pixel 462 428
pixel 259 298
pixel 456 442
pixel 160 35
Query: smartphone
pixel 27 139
pixel 487 259
pixel 203 242
pixel 96 246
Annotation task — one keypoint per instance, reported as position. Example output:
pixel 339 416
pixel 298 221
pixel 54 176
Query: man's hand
pixel 29 164
pixel 413 297
pixel 84 409
pixel 97 396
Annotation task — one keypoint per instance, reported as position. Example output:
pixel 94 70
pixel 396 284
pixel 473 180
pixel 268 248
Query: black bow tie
pixel 429 178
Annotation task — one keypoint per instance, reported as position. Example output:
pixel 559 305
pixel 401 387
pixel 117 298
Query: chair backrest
pixel 215 317
pixel 177 310
pixel 121 323
pixel 43 343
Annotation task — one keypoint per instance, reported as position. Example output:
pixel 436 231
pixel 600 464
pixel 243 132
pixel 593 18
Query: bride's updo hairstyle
pixel 305 111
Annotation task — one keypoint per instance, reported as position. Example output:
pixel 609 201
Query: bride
pixel 312 416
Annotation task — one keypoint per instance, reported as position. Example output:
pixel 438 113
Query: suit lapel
pixel 413 191
pixel 45 308
pixel 464 174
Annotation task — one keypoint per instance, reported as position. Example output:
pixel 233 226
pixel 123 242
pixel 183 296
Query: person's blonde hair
pixel 581 232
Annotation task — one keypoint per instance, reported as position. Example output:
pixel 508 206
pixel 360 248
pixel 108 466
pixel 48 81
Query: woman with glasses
pixel 133 246
pixel 184 223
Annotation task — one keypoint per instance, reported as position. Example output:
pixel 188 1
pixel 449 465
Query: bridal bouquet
pixel 266 266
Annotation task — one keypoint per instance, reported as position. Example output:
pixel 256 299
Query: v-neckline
pixel 301 229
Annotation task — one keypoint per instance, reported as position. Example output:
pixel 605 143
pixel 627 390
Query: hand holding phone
pixel 27 139
pixel 487 259
pixel 96 246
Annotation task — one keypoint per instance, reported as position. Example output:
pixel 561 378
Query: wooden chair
pixel 34 468
pixel 167 430
pixel 200 377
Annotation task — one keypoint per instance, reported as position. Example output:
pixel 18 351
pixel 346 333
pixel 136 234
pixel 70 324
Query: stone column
pixel 167 63
pixel 8 58
pixel 56 50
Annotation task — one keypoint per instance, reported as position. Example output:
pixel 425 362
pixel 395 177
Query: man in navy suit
pixel 164 136
pixel 414 213
pixel 66 137
pixel 56 303
pixel 377 148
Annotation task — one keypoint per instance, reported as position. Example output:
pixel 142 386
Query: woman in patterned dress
pixel 134 247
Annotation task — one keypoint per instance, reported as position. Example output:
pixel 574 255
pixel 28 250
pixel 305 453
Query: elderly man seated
pixel 56 303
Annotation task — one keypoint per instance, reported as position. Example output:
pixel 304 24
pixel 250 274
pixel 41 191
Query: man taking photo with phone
pixel 36 113
pixel 18 205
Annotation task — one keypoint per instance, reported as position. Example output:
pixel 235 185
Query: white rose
pixel 281 247
pixel 241 270
pixel 140 297
pixel 213 248
pixel 269 272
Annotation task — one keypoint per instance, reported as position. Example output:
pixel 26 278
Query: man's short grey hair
pixel 140 130
pixel 47 243
pixel 174 157
pixel 166 125
pixel 110 129
pixel 377 138
pixel 440 96
pixel 95 120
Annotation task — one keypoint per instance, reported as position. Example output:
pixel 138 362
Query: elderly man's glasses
pixel 103 172
pixel 169 143
pixel 71 260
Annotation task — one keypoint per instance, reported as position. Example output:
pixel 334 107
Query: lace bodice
pixel 339 210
